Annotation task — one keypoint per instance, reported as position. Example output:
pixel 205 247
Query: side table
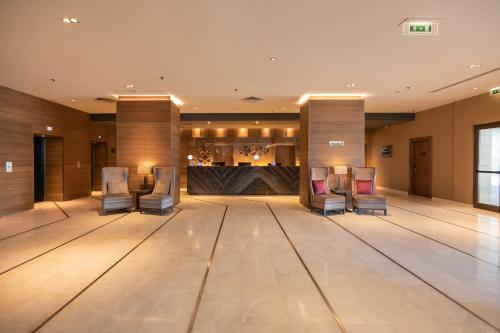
pixel 137 193
pixel 348 197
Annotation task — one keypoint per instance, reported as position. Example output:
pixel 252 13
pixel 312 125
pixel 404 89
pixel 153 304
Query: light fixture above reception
pixel 304 98
pixel 141 97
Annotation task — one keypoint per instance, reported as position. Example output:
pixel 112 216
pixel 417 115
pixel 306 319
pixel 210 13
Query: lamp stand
pixel 145 185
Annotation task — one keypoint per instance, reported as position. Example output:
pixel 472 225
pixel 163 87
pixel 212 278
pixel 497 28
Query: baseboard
pixel 391 190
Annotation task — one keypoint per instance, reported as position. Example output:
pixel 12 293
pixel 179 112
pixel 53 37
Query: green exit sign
pixel 420 27
pixel 495 91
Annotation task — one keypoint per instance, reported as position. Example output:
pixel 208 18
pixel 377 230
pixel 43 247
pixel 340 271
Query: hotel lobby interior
pixel 249 166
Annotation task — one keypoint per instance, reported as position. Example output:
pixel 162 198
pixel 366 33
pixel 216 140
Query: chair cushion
pixel 364 186
pixel 156 197
pixel 162 186
pixel 118 187
pixel 366 198
pixel 319 187
pixel 329 198
pixel 122 197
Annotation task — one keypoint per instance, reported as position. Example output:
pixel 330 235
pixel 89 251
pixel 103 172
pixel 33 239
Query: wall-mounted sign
pixel 495 91
pixel 386 151
pixel 8 166
pixel 336 143
pixel 420 27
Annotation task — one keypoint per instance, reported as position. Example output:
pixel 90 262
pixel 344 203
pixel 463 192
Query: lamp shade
pixel 340 169
pixel 143 169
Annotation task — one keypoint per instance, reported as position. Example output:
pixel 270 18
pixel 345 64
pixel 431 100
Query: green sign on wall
pixel 495 91
pixel 420 27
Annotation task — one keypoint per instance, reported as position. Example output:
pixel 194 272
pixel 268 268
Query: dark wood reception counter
pixel 243 180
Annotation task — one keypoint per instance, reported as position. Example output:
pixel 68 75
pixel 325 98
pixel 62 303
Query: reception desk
pixel 243 180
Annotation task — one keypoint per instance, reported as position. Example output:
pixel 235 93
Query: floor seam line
pixel 37 328
pixel 61 245
pixel 437 241
pixel 450 209
pixel 32 229
pixel 205 276
pixel 415 275
pixel 443 221
pixel 212 202
pixel 323 296
pixel 60 208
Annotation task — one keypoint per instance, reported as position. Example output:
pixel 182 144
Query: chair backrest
pixel 364 173
pixel 318 173
pixel 166 174
pixel 113 174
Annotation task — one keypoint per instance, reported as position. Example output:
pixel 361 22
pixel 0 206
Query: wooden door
pixel 285 155
pixel 99 161
pixel 421 166
pixel 54 150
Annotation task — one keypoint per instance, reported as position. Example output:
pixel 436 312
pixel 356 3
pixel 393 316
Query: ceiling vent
pixel 104 99
pixel 251 99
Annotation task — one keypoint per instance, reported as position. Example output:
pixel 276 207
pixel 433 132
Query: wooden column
pixel 148 134
pixel 322 121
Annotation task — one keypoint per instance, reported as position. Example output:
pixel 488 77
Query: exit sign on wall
pixel 495 91
pixel 420 27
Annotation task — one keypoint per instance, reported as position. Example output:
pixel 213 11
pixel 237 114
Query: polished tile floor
pixel 250 264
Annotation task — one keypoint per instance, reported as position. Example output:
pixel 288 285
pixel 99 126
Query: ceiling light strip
pixel 463 81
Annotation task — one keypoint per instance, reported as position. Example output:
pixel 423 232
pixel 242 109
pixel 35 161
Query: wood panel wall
pixel 22 116
pixel 322 121
pixel 148 134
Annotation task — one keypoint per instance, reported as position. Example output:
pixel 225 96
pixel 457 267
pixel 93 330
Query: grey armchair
pixel 115 194
pixel 162 196
pixel 325 201
pixel 366 198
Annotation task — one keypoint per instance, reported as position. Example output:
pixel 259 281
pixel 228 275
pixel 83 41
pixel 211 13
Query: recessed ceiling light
pixel 256 123
pixel 208 122
pixel 273 59
pixel 73 100
pixel 129 86
pixel 475 88
pixel 350 85
pixel 283 108
pixel 474 66
pixel 70 20
pixel 196 108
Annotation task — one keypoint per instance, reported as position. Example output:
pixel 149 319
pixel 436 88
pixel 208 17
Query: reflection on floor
pixel 250 264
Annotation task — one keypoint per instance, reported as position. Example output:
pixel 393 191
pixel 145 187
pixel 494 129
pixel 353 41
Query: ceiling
pixel 207 49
